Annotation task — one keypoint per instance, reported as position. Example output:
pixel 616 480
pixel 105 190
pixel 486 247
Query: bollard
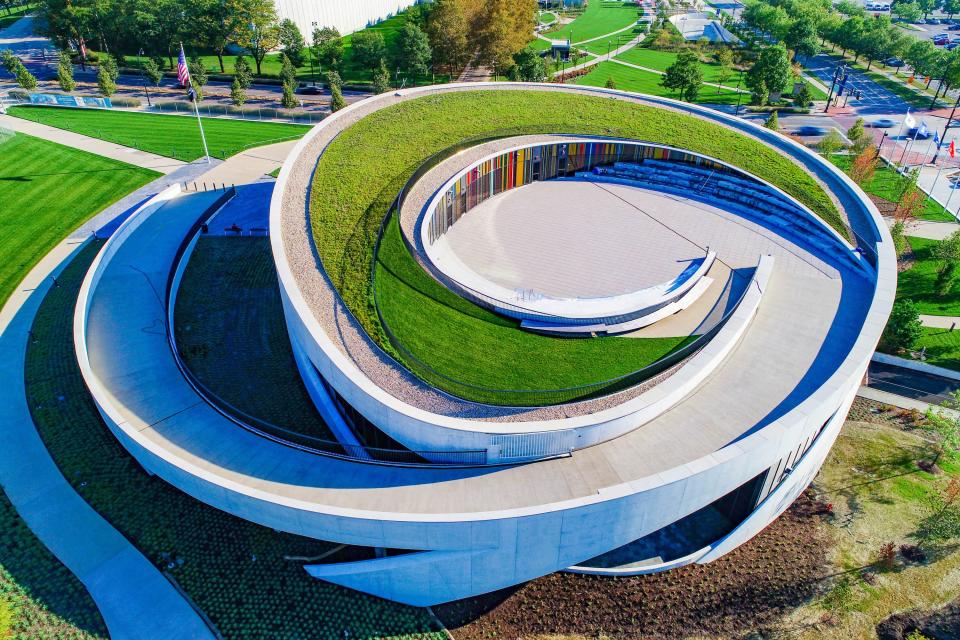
pixel 953 325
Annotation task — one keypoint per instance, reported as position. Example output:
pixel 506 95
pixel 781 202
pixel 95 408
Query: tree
pixel 448 32
pixel 242 72
pixel 105 82
pixel 288 100
pixel 217 24
pixel 381 79
pixel 333 79
pixel 109 64
pixel 772 122
pixel 65 72
pixel 864 166
pixel 610 84
pixel 947 254
pixel 369 49
pixel 290 38
pixel 415 53
pixel 922 55
pixel 903 328
pixel 684 76
pixel 724 57
pixel 830 143
pixel 152 72
pixel 25 79
pixel 802 38
pixel 950 7
pixel 198 76
pixel 260 33
pixel 926 6
pixel 528 67
pixel 942 522
pixel 328 47
pixel 336 98
pixel 288 73
pixel 856 131
pixel 772 71
pixel 238 94
pixel 501 29
pixel 803 98
pixel 850 8
pixel 907 11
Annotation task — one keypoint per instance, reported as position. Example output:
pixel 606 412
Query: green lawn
pixel 630 79
pixel 600 47
pixel 48 190
pixel 942 347
pixel 237 572
pixel 547 17
pixel 888 184
pixel 503 357
pixel 660 60
pixel 365 166
pixel 166 135
pixel 600 18
pixel 7 19
pixel 916 283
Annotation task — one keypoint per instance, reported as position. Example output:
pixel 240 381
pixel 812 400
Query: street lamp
pixel 880 148
pixel 839 75
pixel 142 78
pixel 739 93
pixel 313 71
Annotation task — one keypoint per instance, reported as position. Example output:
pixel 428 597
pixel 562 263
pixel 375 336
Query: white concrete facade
pixel 769 414
pixel 346 16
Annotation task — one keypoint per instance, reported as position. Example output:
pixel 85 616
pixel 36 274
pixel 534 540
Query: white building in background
pixel 346 15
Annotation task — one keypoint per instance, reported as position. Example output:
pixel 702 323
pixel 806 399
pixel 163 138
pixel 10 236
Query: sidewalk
pixel 248 166
pixel 940 322
pixel 595 60
pixel 92 145
pixel 136 601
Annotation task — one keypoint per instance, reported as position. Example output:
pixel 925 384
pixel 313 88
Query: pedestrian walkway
pixel 902 402
pixel 940 322
pixel 663 73
pixel 133 597
pixel 92 145
pixel 249 166
pixel 595 59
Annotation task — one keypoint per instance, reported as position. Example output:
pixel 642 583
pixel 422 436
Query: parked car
pixel 810 130
pixel 893 62
pixel 917 134
pixel 310 90
pixel 882 123
pixel 954 27
pixel 950 46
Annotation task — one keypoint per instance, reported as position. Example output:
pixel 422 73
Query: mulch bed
pixel 749 588
pixel 943 624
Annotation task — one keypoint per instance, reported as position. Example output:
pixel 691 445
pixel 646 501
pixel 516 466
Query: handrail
pixel 517 397
pixel 276 433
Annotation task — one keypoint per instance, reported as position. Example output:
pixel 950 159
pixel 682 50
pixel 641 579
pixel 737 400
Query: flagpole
pixel 196 107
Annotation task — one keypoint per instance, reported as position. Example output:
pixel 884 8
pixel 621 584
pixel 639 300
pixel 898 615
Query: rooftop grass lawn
pixel 501 355
pixel 598 19
pixel 166 135
pixel 365 166
pixel 630 79
pixel 917 282
pixel 48 190
pixel 888 184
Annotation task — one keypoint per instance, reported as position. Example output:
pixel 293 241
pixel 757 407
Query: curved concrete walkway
pixel 134 598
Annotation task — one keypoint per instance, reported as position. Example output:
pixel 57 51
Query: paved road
pixel 910 384
pixel 876 99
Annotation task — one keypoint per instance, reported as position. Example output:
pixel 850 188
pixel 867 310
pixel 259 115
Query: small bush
pixel 912 553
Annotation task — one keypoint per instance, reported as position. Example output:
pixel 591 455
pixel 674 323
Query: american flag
pixel 183 74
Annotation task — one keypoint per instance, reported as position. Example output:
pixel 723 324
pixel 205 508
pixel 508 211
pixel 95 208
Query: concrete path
pixel 900 401
pixel 249 166
pixel 136 601
pixel 595 59
pixel 630 26
pixel 92 145
pixel 930 230
pixel 940 322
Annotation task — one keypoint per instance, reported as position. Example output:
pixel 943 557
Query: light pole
pixel 313 71
pixel 142 78
pixel 739 93
pixel 880 148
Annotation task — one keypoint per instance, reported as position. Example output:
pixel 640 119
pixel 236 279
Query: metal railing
pixel 516 397
pixel 282 435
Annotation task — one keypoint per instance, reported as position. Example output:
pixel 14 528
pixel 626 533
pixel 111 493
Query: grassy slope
pixel 916 283
pixel 46 191
pixel 888 184
pixel 600 18
pixel 365 166
pixel 234 570
pixel 166 135
pixel 630 79
pixel 660 60
pixel 503 357
pixel 878 493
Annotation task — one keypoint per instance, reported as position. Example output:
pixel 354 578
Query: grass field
pixel 46 191
pixel 166 135
pixel 7 19
pixel 366 165
pixel 888 184
pixel 630 79
pixel 917 282
pixel 660 60
pixel 234 570
pixel 942 347
pixel 600 18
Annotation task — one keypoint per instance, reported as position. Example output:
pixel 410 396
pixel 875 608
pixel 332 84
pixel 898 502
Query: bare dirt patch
pixel 749 588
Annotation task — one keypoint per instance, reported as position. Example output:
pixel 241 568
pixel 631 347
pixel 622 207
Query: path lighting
pixel 142 78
